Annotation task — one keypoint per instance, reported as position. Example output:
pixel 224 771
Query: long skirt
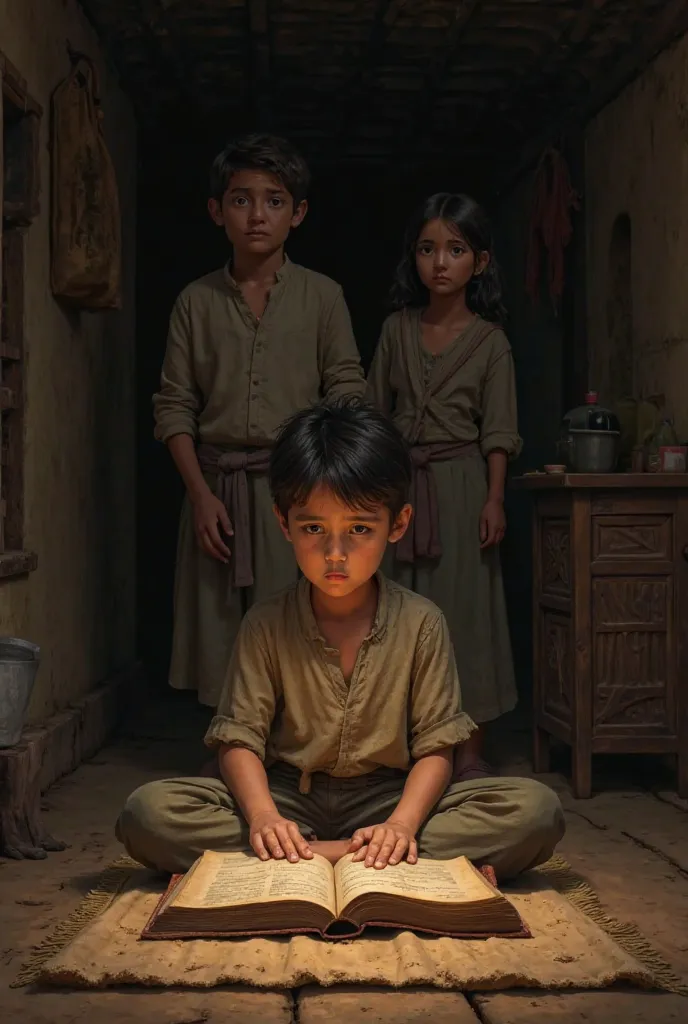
pixel 466 584
pixel 207 609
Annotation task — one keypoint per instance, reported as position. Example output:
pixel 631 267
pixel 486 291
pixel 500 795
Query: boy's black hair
pixel 464 214
pixel 267 153
pixel 346 446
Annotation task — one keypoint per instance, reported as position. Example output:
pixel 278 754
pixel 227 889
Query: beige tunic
pixel 231 380
pixel 286 699
pixel 477 404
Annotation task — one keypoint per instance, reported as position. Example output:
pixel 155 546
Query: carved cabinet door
pixel 633 609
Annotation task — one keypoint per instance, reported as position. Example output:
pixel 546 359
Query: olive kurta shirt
pixel 231 380
pixel 285 698
pixel 476 405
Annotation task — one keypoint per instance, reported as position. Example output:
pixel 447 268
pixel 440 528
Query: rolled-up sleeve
pixel 178 402
pixel 340 363
pixel 436 719
pixel 499 422
pixel 249 698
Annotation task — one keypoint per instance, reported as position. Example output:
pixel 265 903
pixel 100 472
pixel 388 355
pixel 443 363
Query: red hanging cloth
pixel 550 225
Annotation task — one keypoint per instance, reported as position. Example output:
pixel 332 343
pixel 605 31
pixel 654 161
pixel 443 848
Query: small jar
pixel 638 460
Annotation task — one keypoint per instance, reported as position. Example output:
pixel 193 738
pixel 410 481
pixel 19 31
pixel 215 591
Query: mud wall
pixel 637 238
pixel 79 605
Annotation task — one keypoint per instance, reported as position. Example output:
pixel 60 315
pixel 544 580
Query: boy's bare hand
pixel 208 512
pixel 272 835
pixel 380 845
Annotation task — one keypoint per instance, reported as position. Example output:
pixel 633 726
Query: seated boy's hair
pixel 347 447
pixel 267 153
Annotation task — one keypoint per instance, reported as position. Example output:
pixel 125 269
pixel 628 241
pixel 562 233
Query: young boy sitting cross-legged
pixel 341 708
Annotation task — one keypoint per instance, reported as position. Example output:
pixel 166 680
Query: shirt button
pixel 256 382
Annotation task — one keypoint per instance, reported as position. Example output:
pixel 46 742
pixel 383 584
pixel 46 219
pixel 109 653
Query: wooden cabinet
pixel 610 617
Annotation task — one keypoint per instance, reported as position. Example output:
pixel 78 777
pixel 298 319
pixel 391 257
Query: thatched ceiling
pixel 381 79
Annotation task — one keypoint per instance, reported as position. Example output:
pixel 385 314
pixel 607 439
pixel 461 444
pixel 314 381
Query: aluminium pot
pixel 591 451
pixel 590 437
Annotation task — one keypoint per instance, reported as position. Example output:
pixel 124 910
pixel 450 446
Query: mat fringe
pixel 576 890
pixel 557 870
pixel 94 903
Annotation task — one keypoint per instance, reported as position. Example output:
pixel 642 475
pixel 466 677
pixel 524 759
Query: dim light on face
pixel 256 212
pixel 339 549
pixel 444 259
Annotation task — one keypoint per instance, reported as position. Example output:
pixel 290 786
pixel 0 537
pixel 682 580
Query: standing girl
pixel 443 369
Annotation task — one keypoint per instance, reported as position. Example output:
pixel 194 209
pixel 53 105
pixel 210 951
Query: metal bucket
pixel 18 666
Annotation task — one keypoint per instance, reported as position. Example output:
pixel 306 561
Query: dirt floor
pixel 630 841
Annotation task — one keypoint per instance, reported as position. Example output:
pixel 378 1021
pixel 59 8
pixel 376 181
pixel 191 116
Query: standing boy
pixel 248 346
pixel 341 709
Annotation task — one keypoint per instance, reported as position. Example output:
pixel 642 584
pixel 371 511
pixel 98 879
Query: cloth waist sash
pixel 231 469
pixel 422 539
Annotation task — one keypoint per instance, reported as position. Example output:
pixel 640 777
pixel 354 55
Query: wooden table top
pixel 607 481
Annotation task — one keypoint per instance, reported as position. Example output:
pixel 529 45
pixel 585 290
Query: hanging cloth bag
pixel 86 239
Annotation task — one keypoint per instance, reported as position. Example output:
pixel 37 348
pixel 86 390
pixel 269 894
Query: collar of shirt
pixel 280 275
pixel 310 626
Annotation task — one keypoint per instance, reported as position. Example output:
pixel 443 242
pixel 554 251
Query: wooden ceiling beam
pixel 260 64
pixel 161 61
pixel 661 33
pixel 561 56
pixel 419 122
pixel 517 103
pixel 581 30
pixel 177 59
pixel 360 83
pixel 586 21
pixel 113 31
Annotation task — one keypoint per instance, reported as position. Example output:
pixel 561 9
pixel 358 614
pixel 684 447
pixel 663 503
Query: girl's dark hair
pixel 347 447
pixel 267 153
pixel 484 292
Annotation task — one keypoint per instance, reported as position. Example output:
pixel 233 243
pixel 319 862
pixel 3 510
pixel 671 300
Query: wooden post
pixel 582 689
pixel 2 278
pixel 541 742
pixel 681 641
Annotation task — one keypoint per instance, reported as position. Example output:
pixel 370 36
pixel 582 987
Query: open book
pixel 234 894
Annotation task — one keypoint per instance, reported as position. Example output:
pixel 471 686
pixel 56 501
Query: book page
pixel 436 880
pixel 467 874
pixel 239 879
